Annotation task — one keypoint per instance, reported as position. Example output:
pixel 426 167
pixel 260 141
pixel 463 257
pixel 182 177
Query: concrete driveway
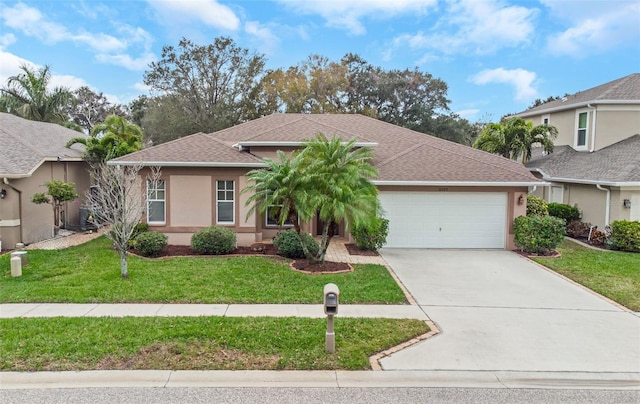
pixel 499 311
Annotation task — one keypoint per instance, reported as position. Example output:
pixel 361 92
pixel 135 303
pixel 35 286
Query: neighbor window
pixel 546 119
pixel 225 202
pixel 272 216
pixel 156 197
pixel 582 124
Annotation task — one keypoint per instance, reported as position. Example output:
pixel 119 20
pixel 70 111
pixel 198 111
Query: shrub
pixel 137 230
pixel 536 206
pixel 213 240
pixel 578 229
pixel 563 211
pixel 288 244
pixel 539 235
pixel 373 236
pixel 597 238
pixel 625 236
pixel 150 243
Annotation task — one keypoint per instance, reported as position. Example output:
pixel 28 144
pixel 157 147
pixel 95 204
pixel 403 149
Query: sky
pixel 496 56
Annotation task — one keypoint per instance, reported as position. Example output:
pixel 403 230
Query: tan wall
pixel 618 211
pixel 190 200
pixel 590 201
pixel 613 124
pixel 23 221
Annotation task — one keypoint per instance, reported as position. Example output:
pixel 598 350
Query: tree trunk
pixel 124 265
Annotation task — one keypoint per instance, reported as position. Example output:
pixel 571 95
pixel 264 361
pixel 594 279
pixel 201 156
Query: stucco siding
pixel 190 200
pixel 613 126
pixel 590 201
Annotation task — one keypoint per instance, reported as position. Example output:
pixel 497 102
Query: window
pixel 545 119
pixel 156 202
pixel 225 202
pixel 582 125
pixel 272 217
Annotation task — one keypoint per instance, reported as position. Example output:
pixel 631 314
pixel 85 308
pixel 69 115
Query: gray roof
pixel 25 145
pixel 625 90
pixel 401 155
pixel 617 164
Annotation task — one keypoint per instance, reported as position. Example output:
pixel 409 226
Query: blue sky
pixel 496 56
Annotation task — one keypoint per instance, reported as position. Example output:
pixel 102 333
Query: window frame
pixel 276 225
pixel 232 201
pixel 577 130
pixel 546 117
pixel 152 196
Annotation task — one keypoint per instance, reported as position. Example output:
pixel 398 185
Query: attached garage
pixel 445 219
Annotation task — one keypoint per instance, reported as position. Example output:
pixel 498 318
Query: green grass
pixel 90 273
pixel 57 344
pixel 615 275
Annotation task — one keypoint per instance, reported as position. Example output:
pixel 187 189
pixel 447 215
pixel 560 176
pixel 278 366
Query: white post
pixel 16 266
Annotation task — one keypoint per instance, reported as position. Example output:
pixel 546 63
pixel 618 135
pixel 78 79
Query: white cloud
pixel 209 12
pixel 267 39
pixel 596 27
pixel 521 80
pixel 11 63
pixel 468 113
pixel 481 27
pixel 31 22
pixel 347 14
pixel 6 40
pixel 126 61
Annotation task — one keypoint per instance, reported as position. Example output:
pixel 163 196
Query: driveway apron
pixel 500 311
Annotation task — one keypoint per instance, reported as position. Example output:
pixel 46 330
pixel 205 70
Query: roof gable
pixel 25 145
pixel 625 90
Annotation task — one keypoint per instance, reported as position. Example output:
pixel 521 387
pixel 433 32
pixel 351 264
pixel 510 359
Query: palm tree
pixel 112 138
pixel 514 138
pixel 27 95
pixel 341 190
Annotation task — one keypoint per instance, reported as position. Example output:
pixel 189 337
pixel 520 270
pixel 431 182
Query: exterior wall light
pixel 626 203
pixel 521 200
pixel 3 193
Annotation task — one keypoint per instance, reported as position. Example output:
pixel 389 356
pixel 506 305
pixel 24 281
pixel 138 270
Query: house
pixel 596 161
pixel 435 193
pixel 31 154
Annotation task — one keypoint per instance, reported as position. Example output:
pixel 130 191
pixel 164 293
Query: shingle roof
pixel 622 90
pixel 617 163
pixel 25 144
pixel 401 154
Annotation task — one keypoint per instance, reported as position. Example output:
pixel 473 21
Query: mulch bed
pixel 353 250
pixel 258 249
pixel 552 254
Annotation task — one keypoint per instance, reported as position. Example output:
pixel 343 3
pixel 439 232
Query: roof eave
pixel 184 164
pixel 526 114
pixel 460 183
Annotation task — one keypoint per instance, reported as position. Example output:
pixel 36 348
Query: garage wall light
pixel 626 203
pixel 521 200
pixel 3 193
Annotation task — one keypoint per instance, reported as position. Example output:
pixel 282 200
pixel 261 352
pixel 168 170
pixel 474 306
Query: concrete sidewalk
pixel 14 310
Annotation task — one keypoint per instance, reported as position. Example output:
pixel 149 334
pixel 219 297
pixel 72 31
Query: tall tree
pixel 90 108
pixel 28 95
pixel 514 138
pixel 212 84
pixel 112 138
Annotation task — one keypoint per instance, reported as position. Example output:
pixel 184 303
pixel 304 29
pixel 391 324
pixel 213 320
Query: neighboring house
pixel 31 154
pixel 435 193
pixel 596 161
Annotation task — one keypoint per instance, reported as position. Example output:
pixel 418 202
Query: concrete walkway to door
pixel 501 312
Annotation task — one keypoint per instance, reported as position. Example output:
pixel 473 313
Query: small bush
pixel 213 240
pixel 563 211
pixel 536 206
pixel 625 236
pixel 150 243
pixel 538 235
pixel 578 229
pixel 597 238
pixel 373 236
pixel 288 244
pixel 137 230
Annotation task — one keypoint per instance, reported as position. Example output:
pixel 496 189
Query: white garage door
pixel 445 219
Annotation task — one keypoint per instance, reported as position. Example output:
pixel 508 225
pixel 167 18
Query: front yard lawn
pixel 90 273
pixel 615 275
pixel 195 343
